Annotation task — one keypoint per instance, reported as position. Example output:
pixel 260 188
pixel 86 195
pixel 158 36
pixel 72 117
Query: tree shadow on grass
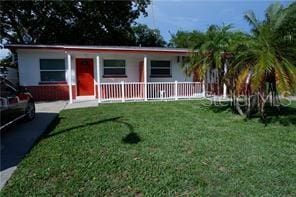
pixel 220 107
pixel 131 138
pixel 284 115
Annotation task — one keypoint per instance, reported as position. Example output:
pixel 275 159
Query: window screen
pixel 114 67
pixel 160 68
pixel 52 70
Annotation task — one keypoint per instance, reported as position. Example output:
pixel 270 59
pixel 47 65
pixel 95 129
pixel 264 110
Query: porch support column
pixel 145 77
pixel 69 77
pixel 224 85
pixel 204 88
pixel 98 78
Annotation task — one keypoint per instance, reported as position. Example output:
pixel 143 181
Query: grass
pixel 161 149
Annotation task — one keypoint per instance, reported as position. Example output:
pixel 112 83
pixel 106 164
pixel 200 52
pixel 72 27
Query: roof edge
pixel 100 48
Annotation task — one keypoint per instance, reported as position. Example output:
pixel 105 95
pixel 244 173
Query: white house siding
pixel 132 67
pixel 29 68
pixel 28 64
pixel 176 69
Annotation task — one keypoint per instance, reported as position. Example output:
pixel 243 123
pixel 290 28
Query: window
pixel 114 68
pixel 160 68
pixel 52 70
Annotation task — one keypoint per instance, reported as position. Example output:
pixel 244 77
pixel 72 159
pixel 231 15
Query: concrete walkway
pixel 18 140
pixel 82 104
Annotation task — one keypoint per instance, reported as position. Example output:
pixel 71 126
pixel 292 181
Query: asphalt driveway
pixel 18 140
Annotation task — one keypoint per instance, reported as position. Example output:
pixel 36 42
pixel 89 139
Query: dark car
pixel 16 103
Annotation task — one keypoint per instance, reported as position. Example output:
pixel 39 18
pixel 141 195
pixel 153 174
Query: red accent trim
pixel 51 92
pixel 96 91
pixel 48 83
pixel 143 51
pixel 74 92
pixel 114 76
pixel 141 71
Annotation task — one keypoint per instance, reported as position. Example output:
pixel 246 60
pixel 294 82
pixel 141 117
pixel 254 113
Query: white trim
pixel 70 77
pixel 122 91
pixel 145 76
pixel 203 88
pixel 224 85
pixel 176 90
pixel 98 77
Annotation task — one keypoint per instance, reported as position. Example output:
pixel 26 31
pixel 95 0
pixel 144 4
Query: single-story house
pixel 105 73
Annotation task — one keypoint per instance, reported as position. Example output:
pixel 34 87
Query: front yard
pixel 161 148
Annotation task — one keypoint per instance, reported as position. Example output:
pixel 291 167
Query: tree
pixel 185 39
pixel 7 62
pixel 210 51
pixel 261 64
pixel 144 36
pixel 288 29
pixel 70 22
pixel 265 66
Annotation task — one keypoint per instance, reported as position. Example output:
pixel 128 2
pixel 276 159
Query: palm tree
pixel 266 66
pixel 209 54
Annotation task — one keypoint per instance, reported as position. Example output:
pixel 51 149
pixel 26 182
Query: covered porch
pixel 128 77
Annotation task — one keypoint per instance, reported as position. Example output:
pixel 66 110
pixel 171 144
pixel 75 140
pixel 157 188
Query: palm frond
pixel 282 79
pixel 250 17
pixel 290 71
pixel 259 74
pixel 241 81
pixel 280 19
pixel 272 11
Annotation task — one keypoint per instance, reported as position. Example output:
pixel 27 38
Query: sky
pixel 169 16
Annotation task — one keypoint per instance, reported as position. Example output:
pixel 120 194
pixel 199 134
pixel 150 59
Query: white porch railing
pixel 161 90
pixel 125 91
pixel 122 91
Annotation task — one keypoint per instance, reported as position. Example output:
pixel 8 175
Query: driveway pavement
pixel 18 140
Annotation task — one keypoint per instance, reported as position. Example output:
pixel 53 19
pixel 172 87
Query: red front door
pixel 85 77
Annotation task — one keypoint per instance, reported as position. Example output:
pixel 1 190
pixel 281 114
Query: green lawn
pixel 161 149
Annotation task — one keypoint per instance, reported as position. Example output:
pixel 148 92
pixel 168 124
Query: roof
pixel 110 49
